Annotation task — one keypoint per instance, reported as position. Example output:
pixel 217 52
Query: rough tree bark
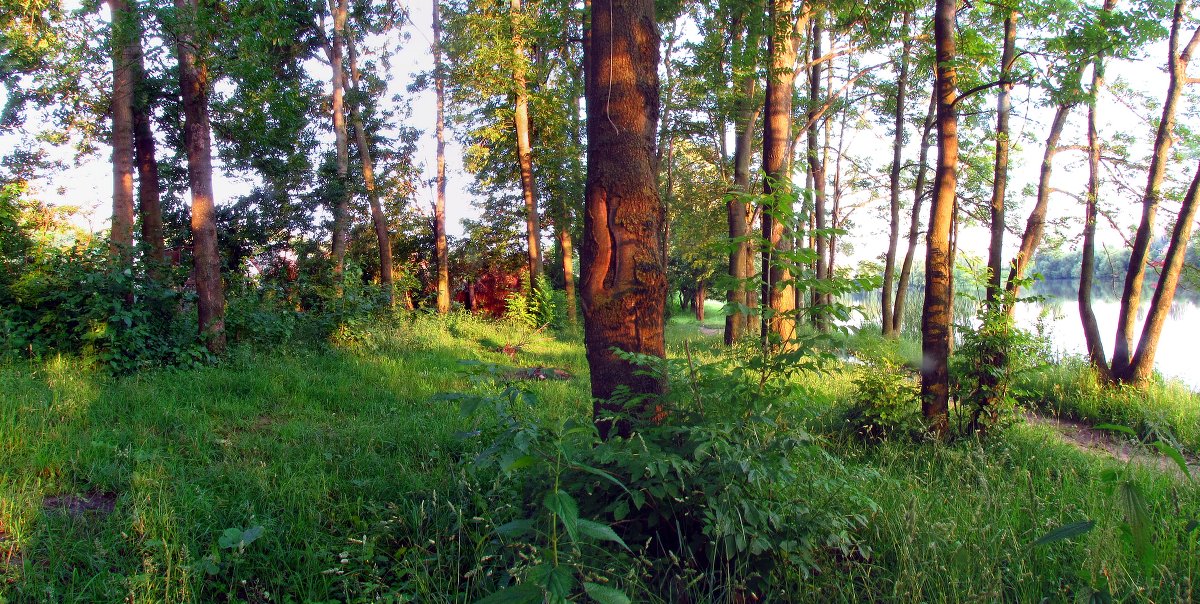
pixel 197 133
pixel 778 293
pixel 439 209
pixel 341 210
pixel 914 226
pixel 889 260
pixel 533 227
pixel 149 204
pixel 1131 295
pixel 623 279
pixel 379 221
pixel 124 55
pixel 937 314
pixel 1000 173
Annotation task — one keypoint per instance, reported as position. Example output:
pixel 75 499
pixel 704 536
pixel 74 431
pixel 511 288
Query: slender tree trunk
pixel 1087 269
pixel 1164 293
pixel 124 56
pixel 914 226
pixel 193 84
pixel 622 277
pixel 441 250
pixel 1131 295
pixel 701 296
pixel 382 238
pixel 149 206
pixel 937 313
pixel 1000 178
pixel 889 261
pixel 341 211
pixel 737 208
pixel 817 167
pixel 778 293
pixel 533 226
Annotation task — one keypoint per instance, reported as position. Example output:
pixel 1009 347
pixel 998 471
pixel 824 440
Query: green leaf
pixel 604 594
pixel 567 511
pixel 1175 456
pixel 1065 531
pixel 516 528
pixel 1137 515
pixel 559 583
pixel 516 594
pixel 512 463
pixel 1116 428
pixel 600 532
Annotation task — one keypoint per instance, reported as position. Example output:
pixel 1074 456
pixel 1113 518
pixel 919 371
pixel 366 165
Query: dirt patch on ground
pixel 711 331
pixel 1083 436
pixel 97 502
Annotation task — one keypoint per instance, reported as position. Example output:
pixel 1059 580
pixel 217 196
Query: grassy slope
pixel 322 447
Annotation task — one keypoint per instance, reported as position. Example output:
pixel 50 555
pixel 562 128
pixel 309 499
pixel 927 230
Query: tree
pixel 382 238
pixel 533 227
pixel 439 208
pixel 197 134
pixel 937 313
pixel 622 277
pixel 341 210
pixel 1000 172
pixel 889 265
pixel 124 55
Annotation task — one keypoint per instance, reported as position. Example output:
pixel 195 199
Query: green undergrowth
pixel 332 473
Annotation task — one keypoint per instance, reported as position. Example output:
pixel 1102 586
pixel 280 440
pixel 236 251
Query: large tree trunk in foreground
pixel 1000 171
pixel 889 260
pixel 914 226
pixel 149 204
pixel 1131 295
pixel 1164 293
pixel 778 293
pixel 937 313
pixel 382 238
pixel 623 280
pixel 341 210
pixel 533 226
pixel 193 84
pixel 124 55
pixel 441 250
pixel 1087 268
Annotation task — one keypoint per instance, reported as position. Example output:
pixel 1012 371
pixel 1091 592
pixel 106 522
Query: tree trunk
pixel 1087 269
pixel 817 167
pixel 1164 293
pixel 698 302
pixel 937 314
pixel 737 208
pixel 441 250
pixel 1000 173
pixel 623 279
pixel 1131 295
pixel 778 294
pixel 124 56
pixel 193 84
pixel 889 261
pixel 149 204
pixel 533 227
pixel 914 226
pixel 382 238
pixel 341 211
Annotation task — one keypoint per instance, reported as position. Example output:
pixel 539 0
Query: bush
pixel 535 309
pixel 886 403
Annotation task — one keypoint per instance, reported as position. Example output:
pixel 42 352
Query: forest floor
pixel 333 473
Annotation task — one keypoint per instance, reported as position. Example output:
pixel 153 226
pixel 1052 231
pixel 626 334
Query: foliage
pixel 534 310
pixel 886 403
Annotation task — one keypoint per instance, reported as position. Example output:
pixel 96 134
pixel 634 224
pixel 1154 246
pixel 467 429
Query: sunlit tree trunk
pixel 778 294
pixel 439 210
pixel 1000 172
pixel 816 166
pixel 737 208
pixel 914 226
pixel 533 226
pixel 379 221
pixel 124 56
pixel 341 210
pixel 937 313
pixel 889 260
pixel 197 133
pixel 622 277
pixel 1131 295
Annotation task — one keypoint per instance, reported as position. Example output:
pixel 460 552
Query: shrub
pixel 886 403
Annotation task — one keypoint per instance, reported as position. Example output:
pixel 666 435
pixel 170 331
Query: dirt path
pixel 1084 437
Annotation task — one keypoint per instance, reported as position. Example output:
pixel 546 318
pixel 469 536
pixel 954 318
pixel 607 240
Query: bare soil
pixel 1084 437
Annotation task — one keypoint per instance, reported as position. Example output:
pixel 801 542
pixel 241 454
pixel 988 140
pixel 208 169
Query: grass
pixel 354 473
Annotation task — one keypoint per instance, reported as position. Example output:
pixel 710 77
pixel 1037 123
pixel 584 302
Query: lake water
pixel 1178 347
